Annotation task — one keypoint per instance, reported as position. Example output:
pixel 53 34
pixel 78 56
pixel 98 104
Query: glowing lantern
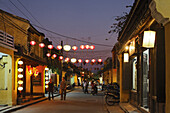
pixel 59 47
pixel 80 60
pixel 93 60
pixel 20 62
pixel 87 61
pixel 42 45
pixel 36 72
pixel 30 71
pixel 126 57
pixel 54 56
pixel 32 43
pixel 46 74
pixel 48 54
pixel 46 78
pixel 92 47
pixel 67 47
pixel 87 46
pixel 20 82
pixel 20 76
pixel 20 88
pixel 20 70
pixel 82 47
pixel 60 57
pixel 126 48
pixel 73 60
pixel 50 46
pixel 149 39
pixel 46 69
pixel 99 60
pixel 46 82
pixel 74 48
pixel 67 59
pixel 46 86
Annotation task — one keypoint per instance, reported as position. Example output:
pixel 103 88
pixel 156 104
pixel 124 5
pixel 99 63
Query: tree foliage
pixel 120 21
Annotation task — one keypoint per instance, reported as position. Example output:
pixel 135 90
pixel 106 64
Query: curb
pixel 125 110
pixel 22 106
pixel 14 108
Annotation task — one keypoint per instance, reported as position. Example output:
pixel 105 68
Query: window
pixel 134 73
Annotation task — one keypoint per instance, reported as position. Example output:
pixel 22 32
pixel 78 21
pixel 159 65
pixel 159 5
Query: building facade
pixel 143 68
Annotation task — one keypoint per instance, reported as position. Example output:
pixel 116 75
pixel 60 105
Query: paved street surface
pixel 76 102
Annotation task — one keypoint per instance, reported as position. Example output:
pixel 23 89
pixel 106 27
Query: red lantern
pixel 82 47
pixel 42 45
pixel 87 46
pixel 32 43
pixel 54 56
pixel 48 54
pixel 67 59
pixel 80 60
pixel 59 47
pixel 60 57
pixel 99 60
pixel 92 47
pixel 93 60
pixel 50 46
pixel 74 48
pixel 87 61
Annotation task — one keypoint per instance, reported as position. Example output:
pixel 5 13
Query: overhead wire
pixel 55 32
pixel 73 37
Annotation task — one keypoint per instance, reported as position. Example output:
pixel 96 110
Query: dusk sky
pixel 79 19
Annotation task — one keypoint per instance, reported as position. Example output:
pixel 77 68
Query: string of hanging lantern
pixel 65 47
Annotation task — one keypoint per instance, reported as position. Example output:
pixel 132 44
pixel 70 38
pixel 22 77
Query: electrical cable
pixel 72 37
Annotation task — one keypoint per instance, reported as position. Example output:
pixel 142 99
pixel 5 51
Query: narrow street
pixel 76 102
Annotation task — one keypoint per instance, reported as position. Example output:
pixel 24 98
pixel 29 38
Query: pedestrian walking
pixel 83 85
pixel 50 89
pixel 63 86
pixel 86 86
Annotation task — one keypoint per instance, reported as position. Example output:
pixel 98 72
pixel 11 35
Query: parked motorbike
pixel 112 94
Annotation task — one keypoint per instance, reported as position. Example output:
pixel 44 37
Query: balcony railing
pixel 6 39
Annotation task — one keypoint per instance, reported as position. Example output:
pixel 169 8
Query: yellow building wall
pixel 63 73
pixel 7 92
pixel 114 71
pixel 75 79
pixel 163 7
pixel 58 76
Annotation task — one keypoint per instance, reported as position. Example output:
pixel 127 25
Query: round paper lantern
pixel 80 60
pixel 48 54
pixel 60 57
pixel 73 60
pixel 50 46
pixel 74 48
pixel 42 45
pixel 67 59
pixel 67 47
pixel 87 61
pixel 93 60
pixel 99 60
pixel 32 43
pixel 20 62
pixel 59 47
pixel 54 56
pixel 82 47
pixel 87 46
pixel 92 47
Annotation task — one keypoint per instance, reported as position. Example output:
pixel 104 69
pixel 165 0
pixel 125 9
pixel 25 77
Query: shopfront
pixel 30 79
